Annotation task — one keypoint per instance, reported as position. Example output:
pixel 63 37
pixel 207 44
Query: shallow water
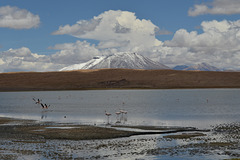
pixel 186 107
pixel 189 107
pixel 135 147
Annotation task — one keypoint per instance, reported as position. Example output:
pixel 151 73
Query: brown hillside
pixel 117 78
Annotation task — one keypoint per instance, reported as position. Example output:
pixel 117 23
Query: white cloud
pixel 22 59
pixel 217 35
pixel 216 7
pixel 120 29
pixel 217 45
pixel 20 52
pixel 73 53
pixel 116 31
pixel 13 17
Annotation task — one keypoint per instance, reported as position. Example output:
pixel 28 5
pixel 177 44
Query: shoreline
pixel 105 89
pixel 46 140
pixel 71 131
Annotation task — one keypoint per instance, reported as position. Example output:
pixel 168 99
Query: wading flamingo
pixel 123 118
pixel 123 112
pixel 107 114
pixel 118 113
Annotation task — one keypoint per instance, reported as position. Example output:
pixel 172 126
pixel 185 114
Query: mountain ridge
pixel 118 60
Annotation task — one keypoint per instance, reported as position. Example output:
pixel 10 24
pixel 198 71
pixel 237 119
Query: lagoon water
pixel 186 107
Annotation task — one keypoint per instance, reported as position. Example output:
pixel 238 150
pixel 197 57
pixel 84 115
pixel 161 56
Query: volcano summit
pixel 118 60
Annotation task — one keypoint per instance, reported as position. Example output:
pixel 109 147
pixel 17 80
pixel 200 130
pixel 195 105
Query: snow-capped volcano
pixel 118 60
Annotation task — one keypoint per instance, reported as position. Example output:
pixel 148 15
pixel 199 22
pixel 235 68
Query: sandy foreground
pixel 117 79
pixel 47 140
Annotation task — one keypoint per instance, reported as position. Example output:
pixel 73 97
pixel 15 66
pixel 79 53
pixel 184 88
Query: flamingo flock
pixel 121 114
pixel 120 119
pixel 44 107
pixel 39 101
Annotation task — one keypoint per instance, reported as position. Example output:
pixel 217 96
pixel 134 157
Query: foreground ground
pixel 117 78
pixel 25 139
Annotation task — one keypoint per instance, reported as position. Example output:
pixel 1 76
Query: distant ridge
pixel 118 60
pixel 180 67
pixel 197 67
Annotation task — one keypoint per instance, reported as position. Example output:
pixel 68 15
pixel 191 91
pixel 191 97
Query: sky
pixel 43 35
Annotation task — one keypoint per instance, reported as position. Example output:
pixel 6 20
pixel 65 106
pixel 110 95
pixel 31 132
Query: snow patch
pixel 118 60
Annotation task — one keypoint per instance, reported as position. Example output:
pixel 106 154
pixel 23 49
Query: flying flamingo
pixel 42 106
pixel 108 114
pixel 46 106
pixel 38 101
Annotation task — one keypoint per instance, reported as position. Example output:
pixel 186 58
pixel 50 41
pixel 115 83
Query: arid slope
pixel 117 78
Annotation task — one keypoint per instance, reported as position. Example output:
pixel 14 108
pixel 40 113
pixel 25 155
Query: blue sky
pixel 176 32
pixel 60 12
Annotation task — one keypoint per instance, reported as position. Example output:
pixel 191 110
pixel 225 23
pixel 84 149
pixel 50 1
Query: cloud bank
pixel 15 18
pixel 115 29
pixel 216 7
pixel 74 53
pixel 22 59
pixel 217 44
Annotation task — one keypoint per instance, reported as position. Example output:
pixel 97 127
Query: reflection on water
pixel 197 107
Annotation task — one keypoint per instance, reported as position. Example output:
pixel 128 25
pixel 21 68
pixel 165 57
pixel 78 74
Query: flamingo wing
pixel 42 105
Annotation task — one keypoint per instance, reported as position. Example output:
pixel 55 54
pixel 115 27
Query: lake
pixel 176 107
pixel 201 108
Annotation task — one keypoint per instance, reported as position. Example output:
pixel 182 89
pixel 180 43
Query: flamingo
pixel 123 112
pixel 107 114
pixel 122 117
pixel 42 106
pixel 46 106
pixel 118 113
pixel 38 101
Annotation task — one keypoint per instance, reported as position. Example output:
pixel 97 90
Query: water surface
pixel 186 107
